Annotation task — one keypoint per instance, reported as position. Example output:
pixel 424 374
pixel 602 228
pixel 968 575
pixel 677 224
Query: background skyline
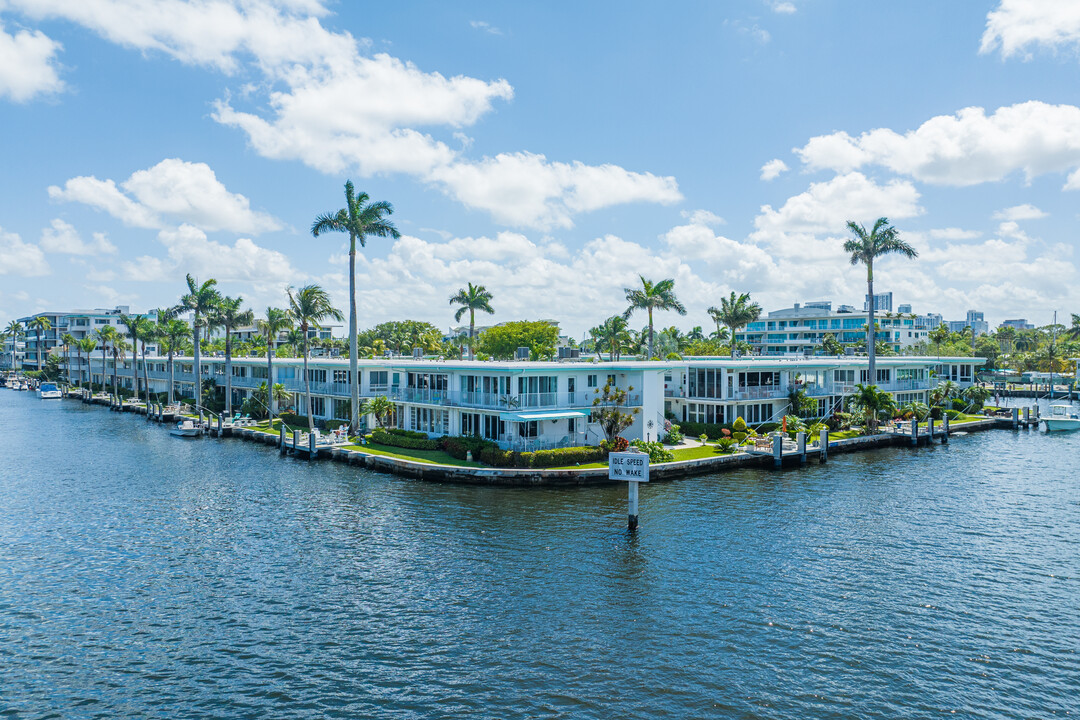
pixel 549 156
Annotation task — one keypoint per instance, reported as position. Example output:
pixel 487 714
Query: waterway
pixel 147 576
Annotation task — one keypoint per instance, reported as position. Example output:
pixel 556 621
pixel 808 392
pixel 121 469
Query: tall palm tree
pixel 653 296
pixel 276 321
pixel 14 330
pixel 39 325
pixel 471 299
pixel 119 352
pixel 86 345
pixel 308 307
pixel 614 334
pixel 106 336
pixel 735 311
pixel 360 218
pixel 68 341
pixel 173 334
pixel 873 402
pixel 229 316
pixel 1073 331
pixel 138 328
pixel 200 300
pixel 864 248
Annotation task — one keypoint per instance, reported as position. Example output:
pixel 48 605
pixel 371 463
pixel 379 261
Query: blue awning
pixel 542 415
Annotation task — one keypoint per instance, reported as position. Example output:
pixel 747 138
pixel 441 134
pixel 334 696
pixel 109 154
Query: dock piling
pixel 945 428
pixel 312 452
pixel 777 449
pixel 1016 418
pixel 930 430
pixel 823 444
pixel 915 431
pixel 800 438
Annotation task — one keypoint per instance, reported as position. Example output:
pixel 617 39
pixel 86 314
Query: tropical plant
pixel 39 324
pixel 228 315
pixel 14 331
pixel 975 396
pixel 270 327
pixel 119 353
pixel 652 296
pixel 736 311
pixel 139 327
pixel 107 335
pixel 1073 331
pixel 382 408
pixel 608 410
pixel 359 218
pixel 830 345
pixel 864 248
pixel 200 300
pixel 86 345
pixel 613 335
pixel 67 341
pixel 873 402
pixel 471 299
pixel 502 341
pixel 309 307
pixel 173 334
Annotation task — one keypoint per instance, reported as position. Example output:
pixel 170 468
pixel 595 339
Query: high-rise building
pixel 882 302
pixel 904 309
pixel 1019 324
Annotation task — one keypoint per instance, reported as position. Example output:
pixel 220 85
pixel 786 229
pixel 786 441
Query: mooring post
pixel 823 444
pixel 777 449
pixel 311 446
pixel 1016 418
pixel 632 506
pixel 945 428
pixel 1027 417
pixel 915 432
pixel 930 429
pixel 800 438
pixel 219 426
pixel 295 439
pixel 281 436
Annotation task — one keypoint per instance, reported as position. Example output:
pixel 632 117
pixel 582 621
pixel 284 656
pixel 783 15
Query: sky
pixel 552 152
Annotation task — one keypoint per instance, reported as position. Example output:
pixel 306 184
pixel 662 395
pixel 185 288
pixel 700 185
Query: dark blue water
pixel 146 576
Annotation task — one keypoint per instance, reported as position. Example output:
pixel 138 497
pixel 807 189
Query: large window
pixel 755 413
pixel 705 382
pixel 341 376
pixel 317 376
pixel 494 428
pixel 759 379
pixel 429 420
pixel 341 409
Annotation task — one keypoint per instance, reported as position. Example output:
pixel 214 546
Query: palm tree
pixel 736 311
pixel 614 335
pixel 86 345
pixel 276 321
pixel 295 339
pixel 1073 331
pixel 873 402
pixel 652 296
pixel 106 336
pixel 382 408
pixel 138 328
pixel 308 307
pixel 119 352
pixel 281 396
pixel 39 325
pixel 359 218
pixel 864 248
pixel 476 297
pixel 201 301
pixel 14 330
pixel 229 316
pixel 68 340
pixel 173 334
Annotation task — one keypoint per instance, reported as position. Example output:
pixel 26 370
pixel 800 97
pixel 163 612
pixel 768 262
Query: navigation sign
pixel 628 466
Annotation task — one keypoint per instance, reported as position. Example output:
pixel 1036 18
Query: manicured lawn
pixel 697 453
pixel 431 457
pixel 845 434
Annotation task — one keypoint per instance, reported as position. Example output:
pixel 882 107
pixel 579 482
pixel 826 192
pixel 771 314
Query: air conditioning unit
pixel 417 353
pixel 522 353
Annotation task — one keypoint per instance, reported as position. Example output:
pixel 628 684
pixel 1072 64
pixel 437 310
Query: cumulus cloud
pixel 28 66
pixel 21 258
pixel 772 169
pixel 1017 25
pixel 967 148
pixel 326 103
pixel 485 26
pixel 62 237
pixel 783 8
pixel 171 191
pixel 1026 211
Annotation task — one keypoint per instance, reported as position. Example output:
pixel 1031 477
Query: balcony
pixel 496 401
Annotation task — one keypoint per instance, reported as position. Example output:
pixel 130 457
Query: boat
pixel 185 428
pixel 1062 417
pixel 49 391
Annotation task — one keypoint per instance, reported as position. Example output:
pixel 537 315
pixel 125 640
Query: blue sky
pixel 549 152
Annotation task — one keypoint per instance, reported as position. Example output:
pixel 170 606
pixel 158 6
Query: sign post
pixel 633 468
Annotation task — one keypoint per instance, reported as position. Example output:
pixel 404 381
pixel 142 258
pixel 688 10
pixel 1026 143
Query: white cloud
pixel 62 237
pixel 28 65
pixel 485 26
pixel 772 169
pixel 827 206
pixel 173 189
pixel 1026 211
pixel 527 190
pixel 1016 25
pixel 20 258
pixel 784 8
pixel 190 251
pixel 953 233
pixel 703 217
pixel 967 148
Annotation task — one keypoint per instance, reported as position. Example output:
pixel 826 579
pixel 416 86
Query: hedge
pixel 565 456
pixel 415 435
pixel 383 437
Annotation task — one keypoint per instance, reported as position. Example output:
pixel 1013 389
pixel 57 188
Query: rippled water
pixel 146 576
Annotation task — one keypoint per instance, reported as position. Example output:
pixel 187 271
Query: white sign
pixel 631 467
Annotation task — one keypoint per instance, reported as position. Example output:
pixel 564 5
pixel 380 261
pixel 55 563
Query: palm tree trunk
pixel 146 376
pixel 307 387
pixel 103 368
pixel 135 365
pixel 650 336
pixel 228 371
pixel 171 382
pixel 731 330
pixel 198 367
pixel 38 350
pixel 269 381
pixel 870 336
pixel 472 324
pixel 354 372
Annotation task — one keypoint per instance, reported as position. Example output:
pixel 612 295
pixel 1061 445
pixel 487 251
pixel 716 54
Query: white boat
pixel 49 391
pixel 185 428
pixel 1062 417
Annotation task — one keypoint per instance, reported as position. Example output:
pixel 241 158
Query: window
pixel 341 409
pixel 705 382
pixel 318 406
pixel 378 379
pixel 571 425
pixel 429 420
pixel 239 371
pixel 529 429
pixel 757 413
pixel 258 372
pixel 317 376
pixel 611 380
pixel 844 377
pixel 470 423
pixel 591 381
pixel 494 428
pixel 341 376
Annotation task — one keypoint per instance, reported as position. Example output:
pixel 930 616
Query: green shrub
pixel 739 425
pixel 458 447
pixel 727 444
pixel 406 433
pixel 954 414
pixel 566 456
pixel 713 430
pixel 657 452
pixel 292 419
pixel 769 427
pixel 383 437
pixel 740 437
pixel 674 436
pixel 335 424
pixel 619 444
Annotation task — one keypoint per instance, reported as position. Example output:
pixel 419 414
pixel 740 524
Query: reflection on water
pixel 147 576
